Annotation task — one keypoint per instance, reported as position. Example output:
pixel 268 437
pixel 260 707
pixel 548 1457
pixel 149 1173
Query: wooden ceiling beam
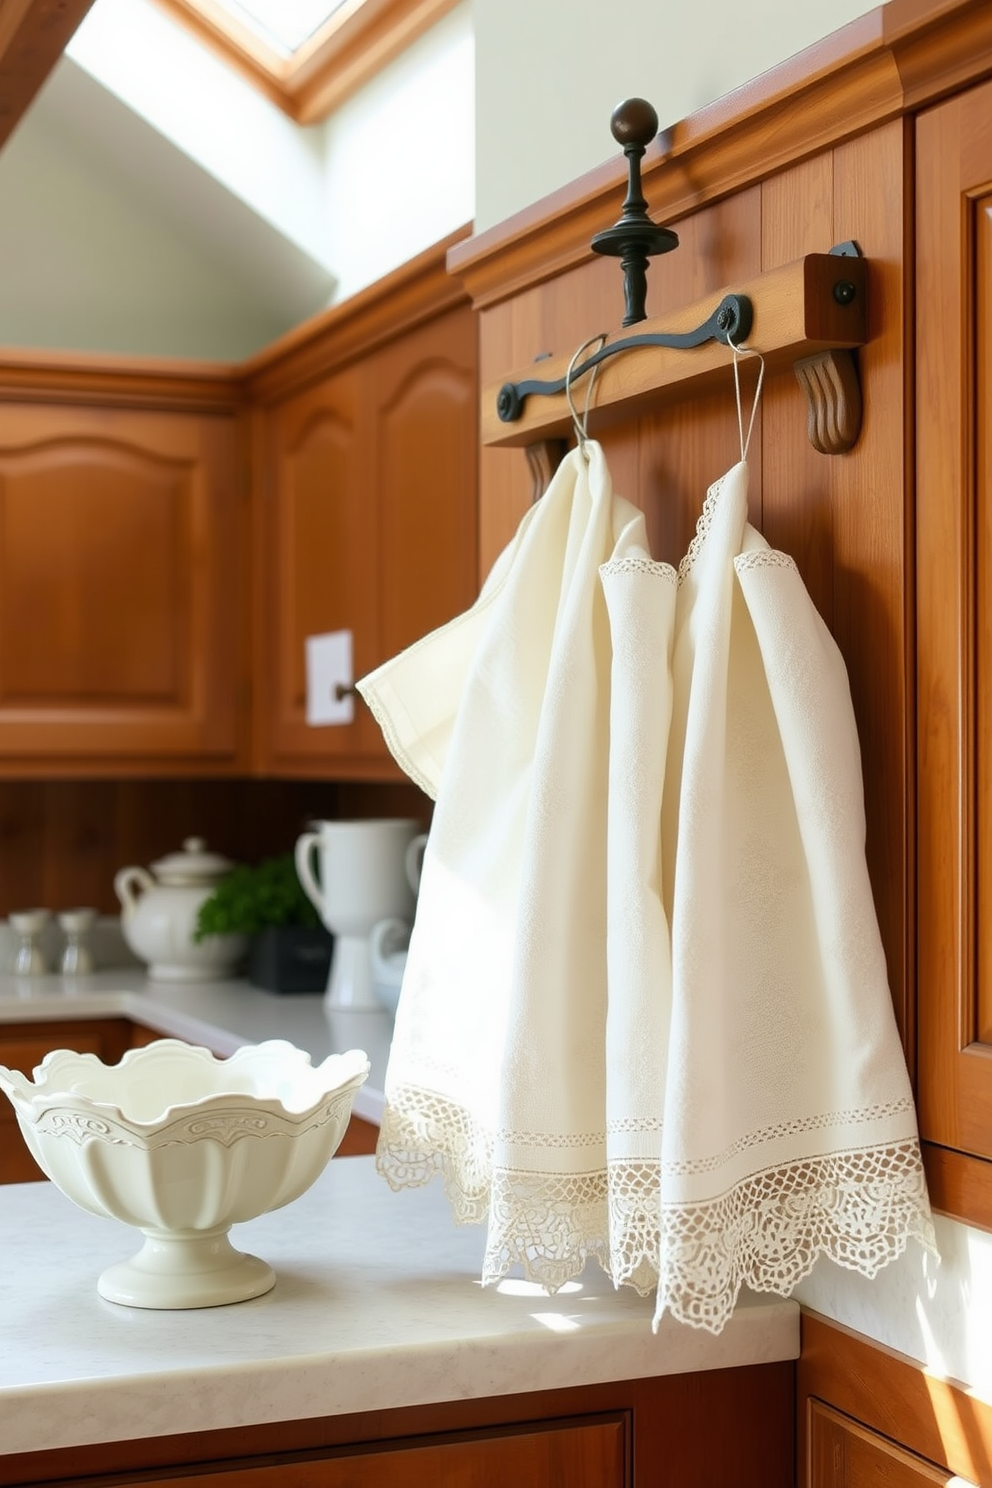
pixel 33 35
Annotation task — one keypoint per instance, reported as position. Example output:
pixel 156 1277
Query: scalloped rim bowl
pixel 183 1145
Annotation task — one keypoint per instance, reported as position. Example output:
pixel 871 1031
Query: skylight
pixel 284 24
pixel 308 56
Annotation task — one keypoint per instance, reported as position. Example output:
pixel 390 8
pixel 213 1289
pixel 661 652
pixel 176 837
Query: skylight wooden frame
pixel 353 44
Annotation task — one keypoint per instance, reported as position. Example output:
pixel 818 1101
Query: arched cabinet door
pixel 426 451
pixel 318 564
pixel 368 524
pixel 119 557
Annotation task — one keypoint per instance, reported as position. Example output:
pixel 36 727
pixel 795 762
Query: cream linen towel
pixel 498 1068
pixel 700 1107
pixel 789 1128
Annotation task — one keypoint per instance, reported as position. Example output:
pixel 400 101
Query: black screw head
pixel 844 291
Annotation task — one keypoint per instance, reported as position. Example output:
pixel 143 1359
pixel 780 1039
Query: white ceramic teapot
pixel 159 910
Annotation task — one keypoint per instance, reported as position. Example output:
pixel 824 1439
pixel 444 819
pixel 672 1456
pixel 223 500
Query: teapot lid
pixel 193 865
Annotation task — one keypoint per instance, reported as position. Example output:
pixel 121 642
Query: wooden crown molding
pixel 136 382
pixel 887 63
pixel 347 51
pixel 33 36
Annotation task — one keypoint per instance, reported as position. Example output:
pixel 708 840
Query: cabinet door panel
pixel 428 451
pixel 118 584
pixel 368 523
pixel 589 1455
pixel 954 647
pixel 320 560
pixel 845 1454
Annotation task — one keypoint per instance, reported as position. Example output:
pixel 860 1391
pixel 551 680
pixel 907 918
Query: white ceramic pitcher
pixel 365 871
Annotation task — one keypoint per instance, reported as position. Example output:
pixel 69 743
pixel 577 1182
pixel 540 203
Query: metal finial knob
pixel 634 238
pixel 634 122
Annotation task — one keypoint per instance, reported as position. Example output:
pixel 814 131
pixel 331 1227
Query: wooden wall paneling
pixel 874 541
pixel 797 513
pixel 719 245
pixel 938 1420
pixel 684 447
pixel 954 516
pixel 78 844
pixel 982 269
pixel 62 841
pixel 22 844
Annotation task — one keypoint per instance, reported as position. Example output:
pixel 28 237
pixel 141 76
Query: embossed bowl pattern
pixel 182 1145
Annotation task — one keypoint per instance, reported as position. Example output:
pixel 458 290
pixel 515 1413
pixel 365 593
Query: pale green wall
pixel 550 72
pixel 86 264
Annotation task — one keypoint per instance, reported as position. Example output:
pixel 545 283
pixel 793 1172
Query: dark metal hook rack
pixel 731 320
pixel 811 313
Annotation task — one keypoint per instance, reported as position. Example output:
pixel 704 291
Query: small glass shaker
pixel 77 959
pixel 28 924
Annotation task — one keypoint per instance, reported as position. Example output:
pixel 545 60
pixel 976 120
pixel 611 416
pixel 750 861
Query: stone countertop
pixel 221 1015
pixel 377 1303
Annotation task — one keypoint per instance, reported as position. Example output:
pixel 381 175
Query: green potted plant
pixel 290 949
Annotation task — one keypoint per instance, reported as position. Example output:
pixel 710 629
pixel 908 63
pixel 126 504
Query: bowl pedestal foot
pixel 195 1268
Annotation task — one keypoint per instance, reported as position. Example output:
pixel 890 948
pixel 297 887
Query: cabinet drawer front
pixel 592 1454
pixel 845 1454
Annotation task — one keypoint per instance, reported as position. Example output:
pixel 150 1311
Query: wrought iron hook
pixel 731 320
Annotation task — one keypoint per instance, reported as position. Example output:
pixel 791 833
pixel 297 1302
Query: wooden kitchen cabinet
pixel 954 648
pixel 869 1417
pixel 367 489
pixel 845 1454
pixel 22 1047
pixel 705 1430
pixel 589 1454
pixel 119 584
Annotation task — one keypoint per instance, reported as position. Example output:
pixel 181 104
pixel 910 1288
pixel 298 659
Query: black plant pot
pixel 290 958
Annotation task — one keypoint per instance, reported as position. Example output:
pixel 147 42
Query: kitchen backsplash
pixel 62 841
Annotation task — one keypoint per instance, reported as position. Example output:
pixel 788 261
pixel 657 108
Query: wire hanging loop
pixel 739 348
pixel 581 425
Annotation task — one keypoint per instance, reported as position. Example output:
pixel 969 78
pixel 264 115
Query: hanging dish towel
pixel 790 1129
pixel 644 1016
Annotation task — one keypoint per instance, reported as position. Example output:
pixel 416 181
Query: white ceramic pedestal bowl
pixel 184 1145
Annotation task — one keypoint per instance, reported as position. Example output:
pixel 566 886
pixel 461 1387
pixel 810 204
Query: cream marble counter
pixel 377 1303
pixel 221 1015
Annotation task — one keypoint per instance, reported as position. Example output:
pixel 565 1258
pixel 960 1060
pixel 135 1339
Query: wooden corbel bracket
pixel 810 314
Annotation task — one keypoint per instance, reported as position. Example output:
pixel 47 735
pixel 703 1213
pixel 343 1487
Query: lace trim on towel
pixel 857 1208
pixel 783 1129
pixel 763 558
pixel 703 526
pixel 637 565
